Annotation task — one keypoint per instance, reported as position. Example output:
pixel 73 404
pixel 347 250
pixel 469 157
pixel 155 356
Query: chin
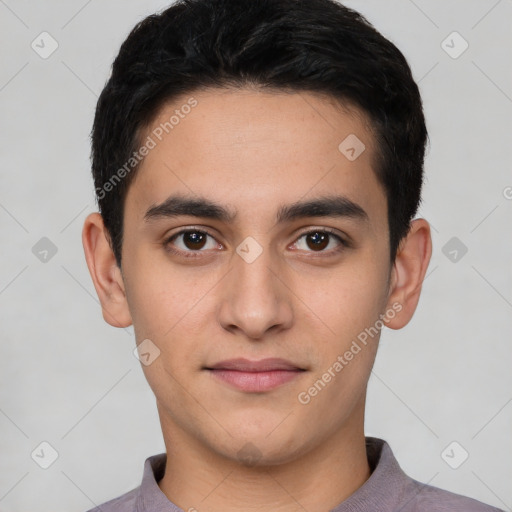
pixel 260 449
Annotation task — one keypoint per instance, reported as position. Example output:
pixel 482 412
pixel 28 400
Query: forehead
pixel 254 150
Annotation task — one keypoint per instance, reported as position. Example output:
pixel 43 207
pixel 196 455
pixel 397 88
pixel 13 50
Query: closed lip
pixel 263 365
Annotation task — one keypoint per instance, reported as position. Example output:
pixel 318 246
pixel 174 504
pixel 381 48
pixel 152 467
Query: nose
pixel 255 298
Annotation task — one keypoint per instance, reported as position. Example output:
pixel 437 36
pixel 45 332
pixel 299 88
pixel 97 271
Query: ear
pixel 408 273
pixel 105 273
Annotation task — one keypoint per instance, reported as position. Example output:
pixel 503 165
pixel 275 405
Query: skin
pixel 294 301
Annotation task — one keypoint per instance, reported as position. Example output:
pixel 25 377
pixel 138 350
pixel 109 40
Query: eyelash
pixel 343 244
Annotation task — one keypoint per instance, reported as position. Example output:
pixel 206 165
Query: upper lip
pixel 263 365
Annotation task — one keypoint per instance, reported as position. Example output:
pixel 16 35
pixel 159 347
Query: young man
pixel 258 164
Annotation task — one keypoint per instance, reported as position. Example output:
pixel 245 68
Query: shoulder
pixel 389 488
pixel 123 503
pixel 426 498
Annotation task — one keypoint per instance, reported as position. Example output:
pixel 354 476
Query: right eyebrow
pixel 177 205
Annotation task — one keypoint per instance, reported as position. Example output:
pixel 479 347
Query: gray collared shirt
pixel 388 489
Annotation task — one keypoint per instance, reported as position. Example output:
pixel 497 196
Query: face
pixel 249 232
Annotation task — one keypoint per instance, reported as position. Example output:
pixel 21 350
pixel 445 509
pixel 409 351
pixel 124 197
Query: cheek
pixel 171 307
pixel 348 299
pixel 161 297
pixel 351 309
pixel 154 307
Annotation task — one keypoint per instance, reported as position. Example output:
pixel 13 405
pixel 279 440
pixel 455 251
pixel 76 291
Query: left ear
pixel 409 269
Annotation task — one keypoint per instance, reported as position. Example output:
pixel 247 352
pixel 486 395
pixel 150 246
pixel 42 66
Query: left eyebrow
pixel 329 206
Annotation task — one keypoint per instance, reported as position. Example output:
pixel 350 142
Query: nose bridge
pixel 254 300
pixel 253 273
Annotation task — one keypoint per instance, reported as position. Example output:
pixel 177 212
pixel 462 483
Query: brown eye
pixel 320 241
pixel 194 240
pixel 190 242
pixel 317 240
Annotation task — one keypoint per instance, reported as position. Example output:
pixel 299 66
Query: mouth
pixel 255 376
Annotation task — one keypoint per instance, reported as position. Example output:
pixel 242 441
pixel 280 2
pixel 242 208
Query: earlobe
pixel 106 275
pixel 408 273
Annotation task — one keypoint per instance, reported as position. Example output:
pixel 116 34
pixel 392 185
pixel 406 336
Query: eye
pixel 190 241
pixel 320 239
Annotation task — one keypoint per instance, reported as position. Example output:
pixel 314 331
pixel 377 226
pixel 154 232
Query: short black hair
pixel 292 45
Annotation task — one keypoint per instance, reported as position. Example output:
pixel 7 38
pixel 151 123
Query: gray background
pixel 71 380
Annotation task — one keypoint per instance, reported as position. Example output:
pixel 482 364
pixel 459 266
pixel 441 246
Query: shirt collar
pixel 383 491
pixel 387 487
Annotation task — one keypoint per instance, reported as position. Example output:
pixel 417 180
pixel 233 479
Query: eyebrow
pixel 328 206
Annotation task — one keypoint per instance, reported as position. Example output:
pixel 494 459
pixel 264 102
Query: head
pixel 288 138
pixel 318 46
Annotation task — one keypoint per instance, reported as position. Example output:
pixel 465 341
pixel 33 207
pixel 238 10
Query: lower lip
pixel 256 381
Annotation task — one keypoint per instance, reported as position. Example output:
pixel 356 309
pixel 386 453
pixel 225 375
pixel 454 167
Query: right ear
pixel 105 273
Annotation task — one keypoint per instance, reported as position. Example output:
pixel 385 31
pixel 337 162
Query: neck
pixel 319 479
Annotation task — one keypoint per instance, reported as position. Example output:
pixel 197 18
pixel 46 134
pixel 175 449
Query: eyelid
pixel 195 229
